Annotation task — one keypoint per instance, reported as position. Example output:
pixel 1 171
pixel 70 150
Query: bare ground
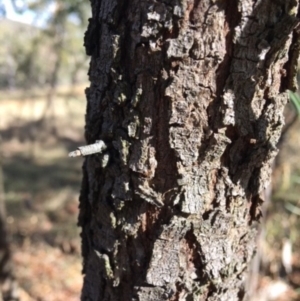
pixel 42 186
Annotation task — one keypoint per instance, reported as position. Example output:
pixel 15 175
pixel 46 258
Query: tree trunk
pixel 188 97
pixel 8 283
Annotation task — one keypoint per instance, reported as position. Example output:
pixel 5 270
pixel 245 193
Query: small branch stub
pixel 86 150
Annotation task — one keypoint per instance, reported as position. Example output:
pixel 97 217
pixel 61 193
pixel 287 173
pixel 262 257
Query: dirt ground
pixel 42 187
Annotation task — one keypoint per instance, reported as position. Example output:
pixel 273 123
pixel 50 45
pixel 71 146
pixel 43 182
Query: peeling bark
pixel 188 98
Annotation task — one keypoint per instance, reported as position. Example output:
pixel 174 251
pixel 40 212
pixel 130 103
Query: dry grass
pixel 42 186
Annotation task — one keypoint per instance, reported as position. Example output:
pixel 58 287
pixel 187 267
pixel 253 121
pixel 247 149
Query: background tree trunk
pixel 188 97
pixel 8 284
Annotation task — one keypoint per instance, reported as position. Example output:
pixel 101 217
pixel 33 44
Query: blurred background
pixel 43 70
pixel 43 74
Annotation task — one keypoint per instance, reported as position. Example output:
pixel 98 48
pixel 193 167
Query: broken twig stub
pixel 91 149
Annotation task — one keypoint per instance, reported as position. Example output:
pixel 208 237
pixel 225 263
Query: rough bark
pixel 188 97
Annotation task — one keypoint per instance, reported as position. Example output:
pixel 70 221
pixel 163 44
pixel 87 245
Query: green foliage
pixel 295 100
pixel 47 56
pixel 21 62
pixel 61 9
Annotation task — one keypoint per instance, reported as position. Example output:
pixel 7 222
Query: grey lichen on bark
pixel 188 98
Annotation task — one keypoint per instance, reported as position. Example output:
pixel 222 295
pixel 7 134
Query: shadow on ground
pixel 41 190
